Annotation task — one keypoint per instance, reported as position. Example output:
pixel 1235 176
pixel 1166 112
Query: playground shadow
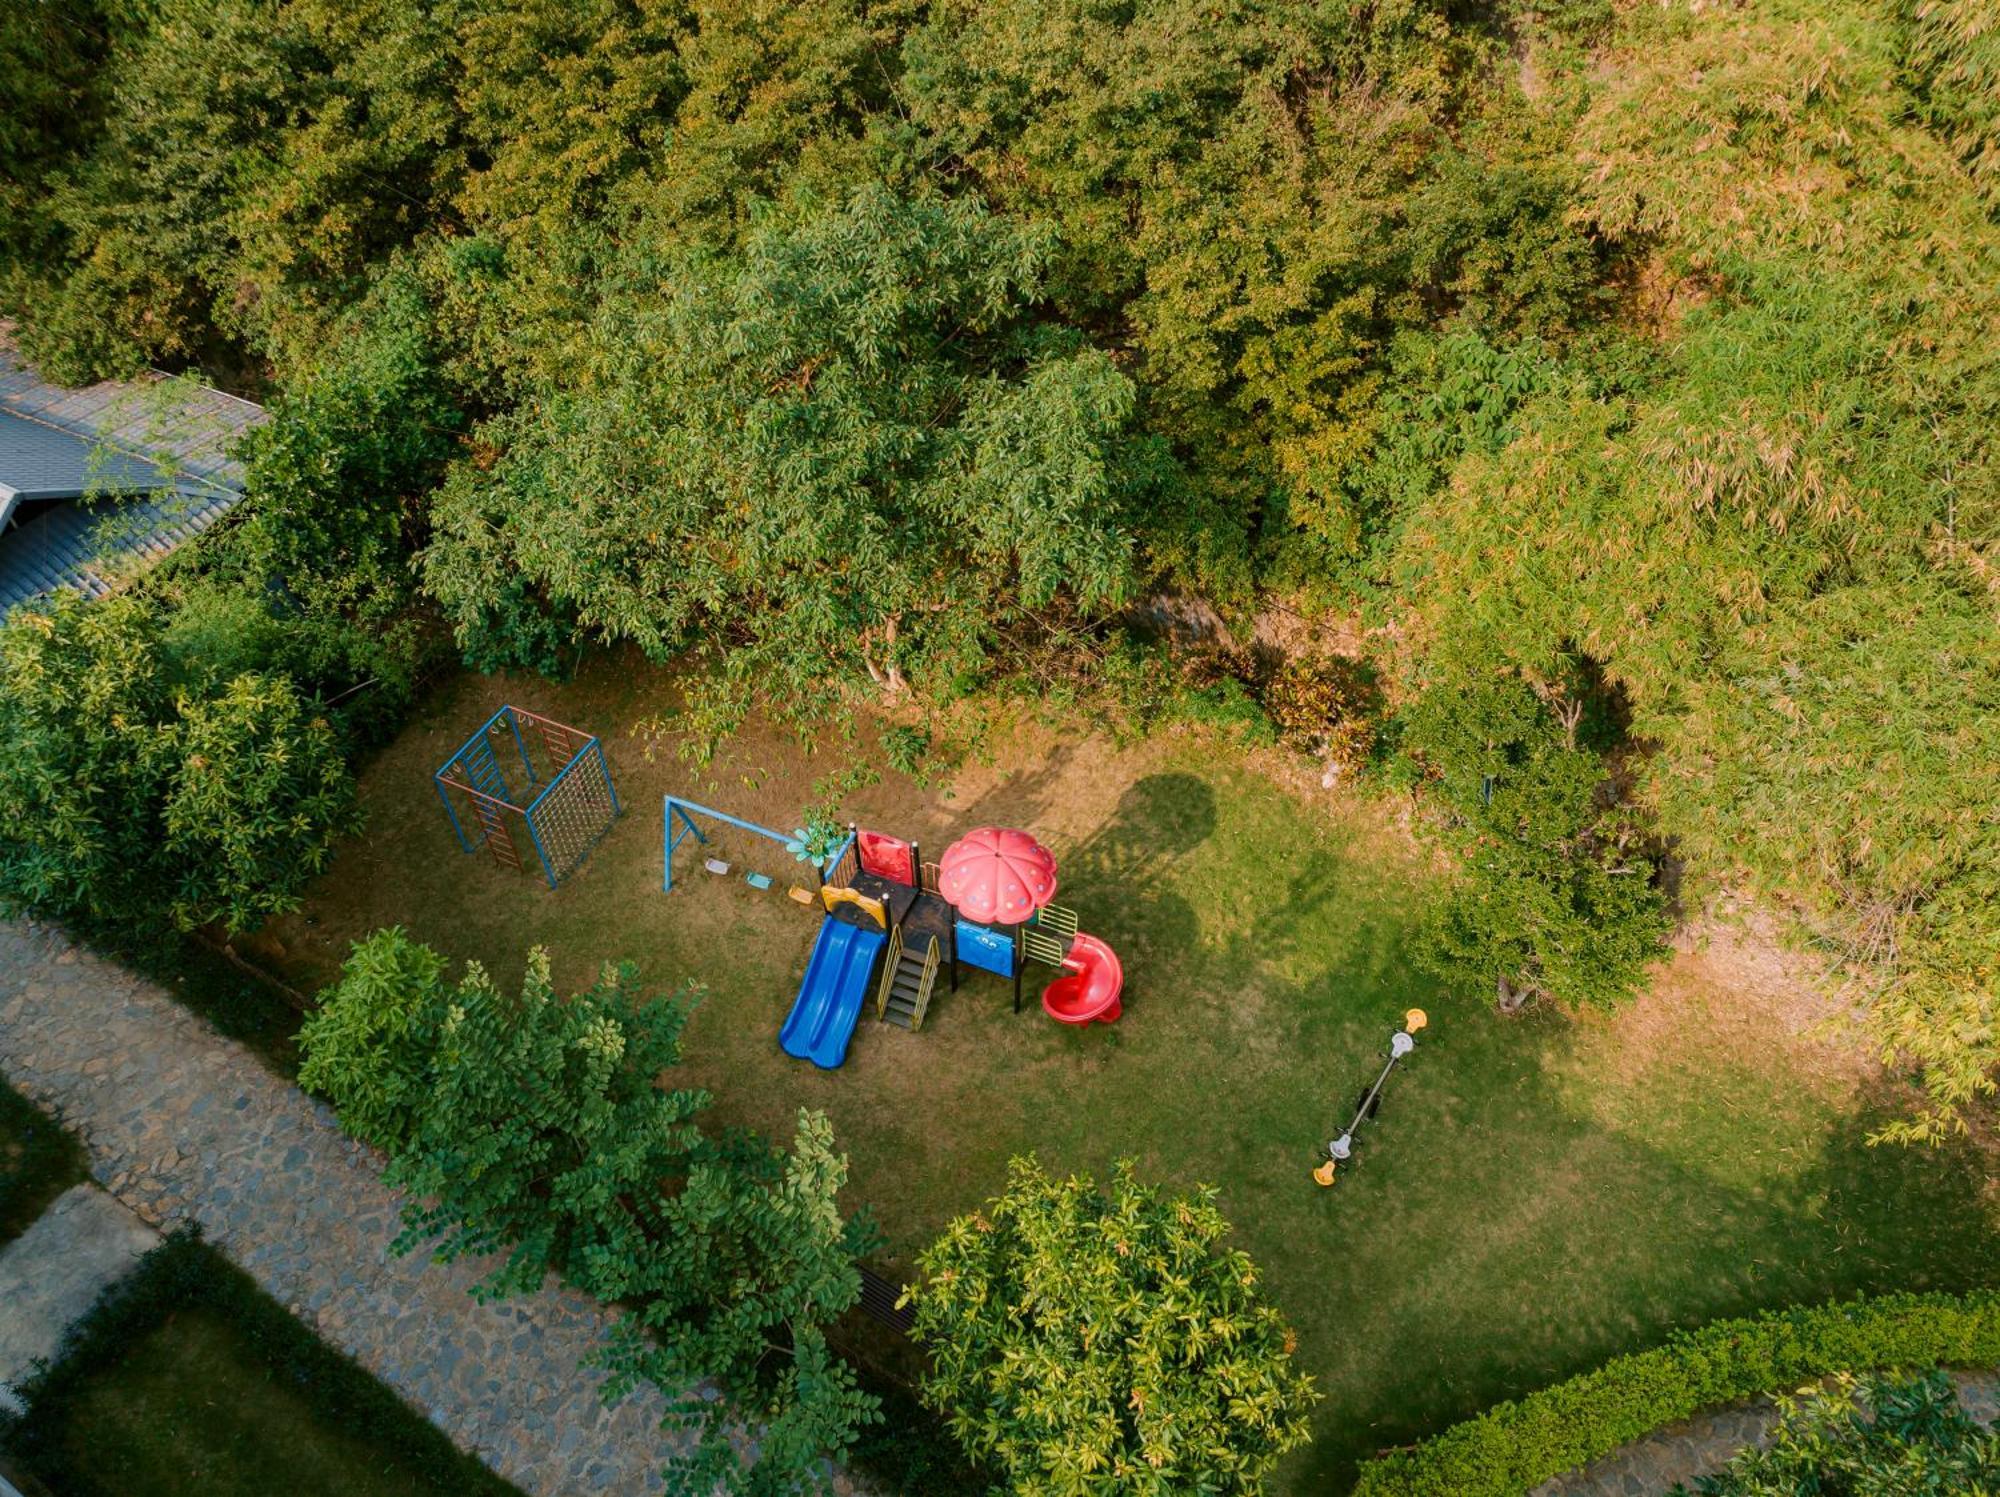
pixel 1120 877
pixel 1025 799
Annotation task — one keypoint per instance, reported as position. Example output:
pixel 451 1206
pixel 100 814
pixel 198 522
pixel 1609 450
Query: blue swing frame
pixel 686 810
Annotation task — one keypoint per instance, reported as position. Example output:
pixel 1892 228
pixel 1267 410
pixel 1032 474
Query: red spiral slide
pixel 1089 994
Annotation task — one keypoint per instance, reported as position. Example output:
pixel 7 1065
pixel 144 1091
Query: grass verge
pixel 187 1378
pixel 39 1160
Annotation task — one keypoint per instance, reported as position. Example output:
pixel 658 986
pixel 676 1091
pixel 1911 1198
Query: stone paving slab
pixel 183 1124
pixel 55 1271
pixel 1703 1445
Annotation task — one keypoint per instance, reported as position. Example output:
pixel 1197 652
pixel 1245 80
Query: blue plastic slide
pixel 830 998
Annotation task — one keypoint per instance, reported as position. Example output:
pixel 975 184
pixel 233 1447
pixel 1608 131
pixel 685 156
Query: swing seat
pixel 716 866
pixel 757 880
pixel 803 896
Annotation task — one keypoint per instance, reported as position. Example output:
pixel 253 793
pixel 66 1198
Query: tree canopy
pixel 846 343
pixel 1084 1337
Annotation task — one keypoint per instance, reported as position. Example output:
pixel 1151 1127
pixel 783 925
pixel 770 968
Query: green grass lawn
pixel 38 1162
pixel 188 1380
pixel 1537 1195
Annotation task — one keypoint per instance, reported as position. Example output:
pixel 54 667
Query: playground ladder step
pixel 907 982
pixel 1047 950
pixel 1058 920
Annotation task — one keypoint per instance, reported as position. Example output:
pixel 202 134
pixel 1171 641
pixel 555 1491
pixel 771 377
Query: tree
pixel 1885 1437
pixel 846 456
pixel 1105 1340
pixel 1557 893
pixel 140 784
pixel 730 1254
pixel 337 487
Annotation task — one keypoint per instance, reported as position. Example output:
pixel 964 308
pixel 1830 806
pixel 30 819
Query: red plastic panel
pixel 885 857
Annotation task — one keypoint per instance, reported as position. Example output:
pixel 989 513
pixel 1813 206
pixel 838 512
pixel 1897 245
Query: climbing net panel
pixel 529 785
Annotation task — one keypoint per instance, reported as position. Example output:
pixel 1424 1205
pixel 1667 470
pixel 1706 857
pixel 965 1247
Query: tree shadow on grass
pixel 1489 1242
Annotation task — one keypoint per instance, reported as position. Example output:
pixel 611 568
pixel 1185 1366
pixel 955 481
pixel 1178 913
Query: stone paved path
pixel 55 1271
pixel 184 1125
pixel 1703 1445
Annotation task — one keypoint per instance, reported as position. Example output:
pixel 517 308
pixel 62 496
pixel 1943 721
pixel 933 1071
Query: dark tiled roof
pixel 138 468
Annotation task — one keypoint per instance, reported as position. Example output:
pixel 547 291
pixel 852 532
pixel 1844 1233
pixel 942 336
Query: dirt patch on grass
pixel 1732 987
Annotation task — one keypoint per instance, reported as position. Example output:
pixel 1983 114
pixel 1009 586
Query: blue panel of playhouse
pixel 988 950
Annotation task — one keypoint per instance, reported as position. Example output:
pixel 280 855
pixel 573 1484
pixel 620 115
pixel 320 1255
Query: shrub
pixel 1154 685
pixel 1515 1446
pixel 1884 1438
pixel 535 1129
pixel 1325 707
pixel 1557 894
pixel 1105 1340
pixel 136 785
pixel 368 1048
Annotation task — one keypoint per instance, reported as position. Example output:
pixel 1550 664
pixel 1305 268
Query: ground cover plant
pixel 1540 1194
pixel 38 1162
pixel 186 1373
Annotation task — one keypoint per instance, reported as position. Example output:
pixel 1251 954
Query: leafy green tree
pixel 257 790
pixel 1105 1340
pixel 730 1254
pixel 48 56
pixel 846 457
pixel 140 788
pixel 1953 53
pixel 1881 1438
pixel 1557 893
pixel 368 1047
pixel 254 157
pixel 337 485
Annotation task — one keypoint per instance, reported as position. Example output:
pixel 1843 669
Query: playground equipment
pixel 885 911
pixel 830 998
pixel 853 928
pixel 1401 1043
pixel 566 802
pixel 1090 994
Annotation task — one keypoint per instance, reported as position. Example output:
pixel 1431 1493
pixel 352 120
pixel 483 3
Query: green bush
pixel 1558 894
pixel 140 789
pixel 533 1130
pixel 1087 1339
pixel 368 1047
pixel 1882 1438
pixel 1515 1446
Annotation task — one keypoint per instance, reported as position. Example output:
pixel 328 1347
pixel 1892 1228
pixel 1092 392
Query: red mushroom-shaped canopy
pixel 996 875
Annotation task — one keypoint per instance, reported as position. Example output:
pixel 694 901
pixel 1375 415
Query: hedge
pixel 1514 1447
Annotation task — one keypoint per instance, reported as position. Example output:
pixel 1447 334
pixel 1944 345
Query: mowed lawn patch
pixel 1536 1195
pixel 186 1378
pixel 39 1160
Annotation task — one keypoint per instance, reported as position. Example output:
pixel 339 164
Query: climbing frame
pixel 565 803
